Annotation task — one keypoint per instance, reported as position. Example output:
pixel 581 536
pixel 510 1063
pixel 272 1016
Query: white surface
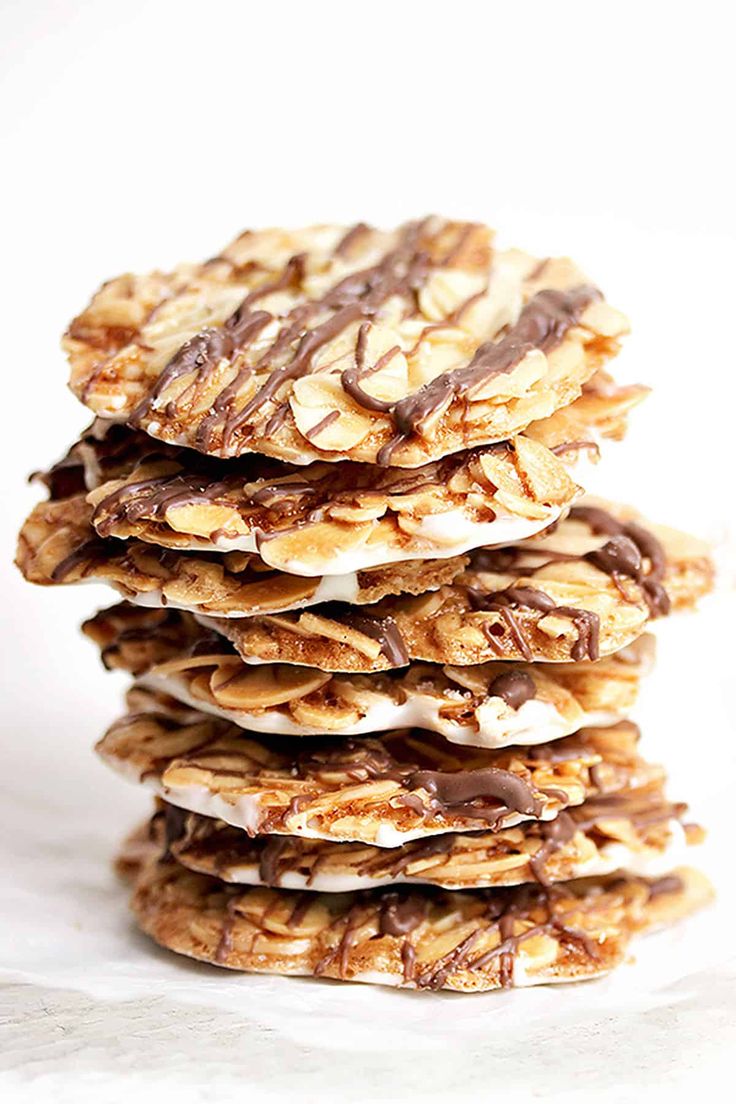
pixel 138 133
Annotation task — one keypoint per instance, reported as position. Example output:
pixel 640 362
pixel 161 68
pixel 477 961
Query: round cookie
pixel 491 705
pixel 385 789
pixel 387 347
pixel 469 941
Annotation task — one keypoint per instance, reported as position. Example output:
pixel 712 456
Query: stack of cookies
pixel 384 648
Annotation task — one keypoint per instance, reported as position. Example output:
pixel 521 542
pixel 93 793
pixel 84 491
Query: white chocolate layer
pixel 645 863
pixel 331 588
pixel 244 811
pixel 439 536
pixel 496 725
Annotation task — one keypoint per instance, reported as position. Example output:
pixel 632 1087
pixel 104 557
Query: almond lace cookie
pixel 384 789
pixel 636 830
pixel 109 450
pixel 336 516
pixel 336 519
pixel 586 588
pixel 57 545
pixel 420 938
pixel 388 347
pixel 492 705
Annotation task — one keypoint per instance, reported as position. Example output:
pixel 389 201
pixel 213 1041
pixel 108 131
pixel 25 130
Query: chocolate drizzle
pixel 225 943
pixel 357 297
pixel 202 352
pixel 620 557
pixel 195 837
pixel 268 865
pixel 617 556
pixel 542 324
pixel 175 829
pixel 512 598
pixel 386 632
pixel 515 687
pixel 351 377
pixel 454 792
pixel 401 913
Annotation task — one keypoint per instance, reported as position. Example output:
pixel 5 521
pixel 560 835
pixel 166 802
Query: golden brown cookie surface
pixel 384 789
pixel 466 941
pixel 395 347
pixel 492 705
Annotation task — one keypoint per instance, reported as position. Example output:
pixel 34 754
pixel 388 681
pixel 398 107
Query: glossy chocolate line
pixel 350 237
pixel 358 295
pixel 90 549
pixel 542 324
pixel 323 423
pixel 620 556
pixel 209 346
pixel 451 789
pixel 386 632
pixel 513 598
pixel 351 377
pixel 617 558
pixel 514 687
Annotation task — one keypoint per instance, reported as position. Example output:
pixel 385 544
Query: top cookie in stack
pixel 351 458
pixel 387 348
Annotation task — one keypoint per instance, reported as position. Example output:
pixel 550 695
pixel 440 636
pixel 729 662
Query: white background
pixel 137 134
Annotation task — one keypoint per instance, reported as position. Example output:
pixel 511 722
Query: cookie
pixel 118 464
pixel 57 545
pixel 337 519
pixel 385 789
pixel 636 830
pixel 467 941
pixel 587 588
pixel 391 348
pixel 492 705
pixel 110 450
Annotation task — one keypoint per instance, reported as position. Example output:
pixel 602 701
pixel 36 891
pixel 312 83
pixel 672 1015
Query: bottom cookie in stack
pixel 423 938
pixel 362 861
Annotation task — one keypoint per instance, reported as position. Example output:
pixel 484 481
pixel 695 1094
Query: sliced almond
pixel 314 544
pixel 544 476
pixel 266 686
pixel 343 634
pixel 505 385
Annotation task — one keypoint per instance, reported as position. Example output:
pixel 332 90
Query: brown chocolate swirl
pixel 542 324
pixel 454 791
pixel 617 556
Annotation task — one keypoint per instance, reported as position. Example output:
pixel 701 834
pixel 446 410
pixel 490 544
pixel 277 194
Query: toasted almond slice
pixel 264 686
pixel 544 476
pixel 203 520
pixel 321 626
pixel 315 545
pixel 514 384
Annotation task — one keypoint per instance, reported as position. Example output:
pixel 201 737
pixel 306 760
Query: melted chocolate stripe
pixel 203 351
pixel 542 324
pixel 358 295
pixel 452 788
pixel 512 598
pixel 617 556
